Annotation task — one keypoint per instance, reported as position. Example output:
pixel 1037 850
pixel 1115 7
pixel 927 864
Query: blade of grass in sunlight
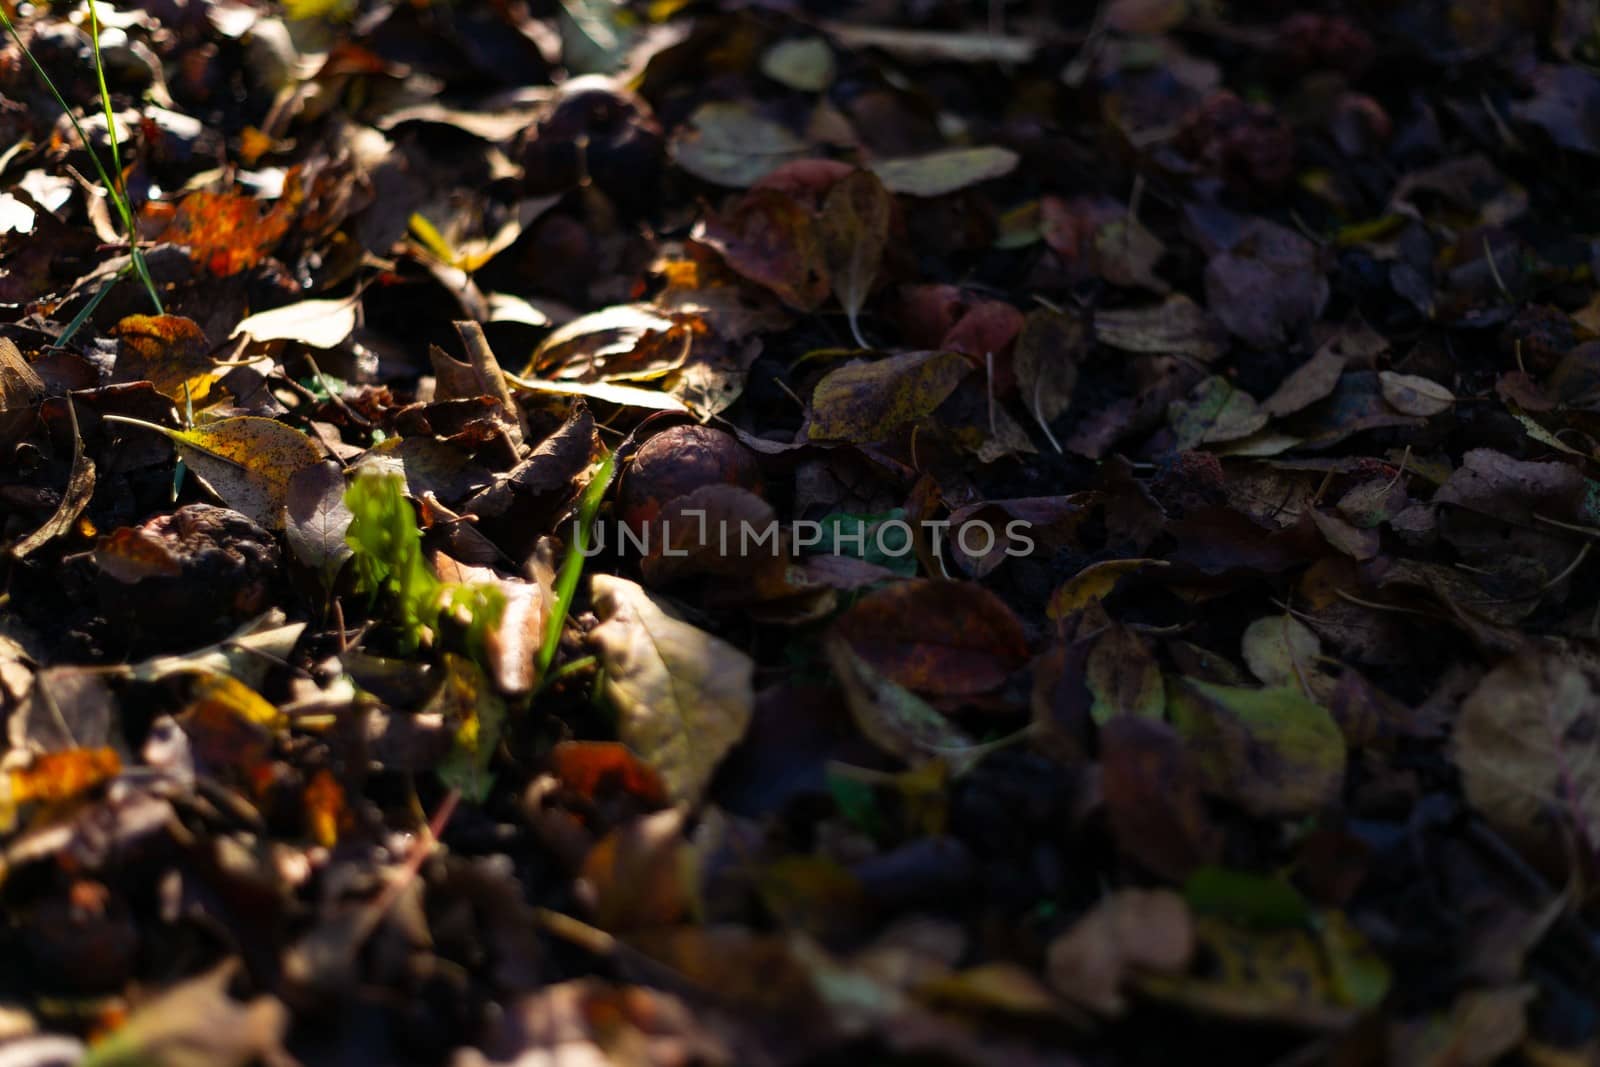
pixel 115 189
pixel 572 566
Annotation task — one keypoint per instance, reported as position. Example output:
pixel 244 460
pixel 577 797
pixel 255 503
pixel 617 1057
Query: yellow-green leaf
pixel 246 461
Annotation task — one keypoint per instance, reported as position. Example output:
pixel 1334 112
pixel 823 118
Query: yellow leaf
pixel 247 461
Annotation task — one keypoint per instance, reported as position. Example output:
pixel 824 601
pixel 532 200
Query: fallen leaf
pixel 1267 285
pixel 1215 411
pixel 1325 978
pixel 1123 676
pixel 1306 384
pixel 771 239
pixel 865 401
pixel 80 488
pixel 1411 394
pixel 196 1024
pixel 891 716
pixel 1525 745
pixel 1130 931
pixel 246 461
pixel 317 520
pixel 1176 325
pixel 945 171
pixel 803 63
pixel 1272 751
pixel 170 352
pixel 1280 650
pixel 1045 362
pixel 854 228
pixel 21 390
pixel 318 323
pixel 948 638
pixel 1152 788
pixel 728 144
pixel 231 231
pixel 683 697
pixel 1094 582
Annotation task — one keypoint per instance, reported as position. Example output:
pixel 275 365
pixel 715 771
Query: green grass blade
pixel 572 566
pixel 113 188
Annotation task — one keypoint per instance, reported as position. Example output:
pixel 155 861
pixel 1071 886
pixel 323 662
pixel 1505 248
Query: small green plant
pixel 115 188
pixel 388 560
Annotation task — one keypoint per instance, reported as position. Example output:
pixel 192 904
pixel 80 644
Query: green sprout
pixel 388 560
pixel 572 566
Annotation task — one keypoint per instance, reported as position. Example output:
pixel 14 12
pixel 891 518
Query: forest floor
pixel 782 532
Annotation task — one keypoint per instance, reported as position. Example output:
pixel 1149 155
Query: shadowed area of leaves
pixel 800 532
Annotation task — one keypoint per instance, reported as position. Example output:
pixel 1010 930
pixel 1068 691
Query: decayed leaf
pixel 727 143
pixel 935 636
pixel 1526 746
pixel 642 874
pixel 772 239
pixel 1411 394
pixel 247 461
pixel 1272 751
pixel 866 401
pixel 1176 325
pixel 944 171
pixel 1267 285
pixel 854 228
pixel 683 697
pixel 1129 932
pixel 318 323
pixel 80 487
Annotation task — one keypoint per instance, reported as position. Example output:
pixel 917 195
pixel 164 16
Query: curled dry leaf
pixel 80 487
pixel 21 390
pixel 683 697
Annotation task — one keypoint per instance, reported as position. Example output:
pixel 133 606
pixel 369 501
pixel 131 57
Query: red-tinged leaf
pixel 1153 796
pixel 946 638
pixel 595 768
pixel 772 240
pixel 233 231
